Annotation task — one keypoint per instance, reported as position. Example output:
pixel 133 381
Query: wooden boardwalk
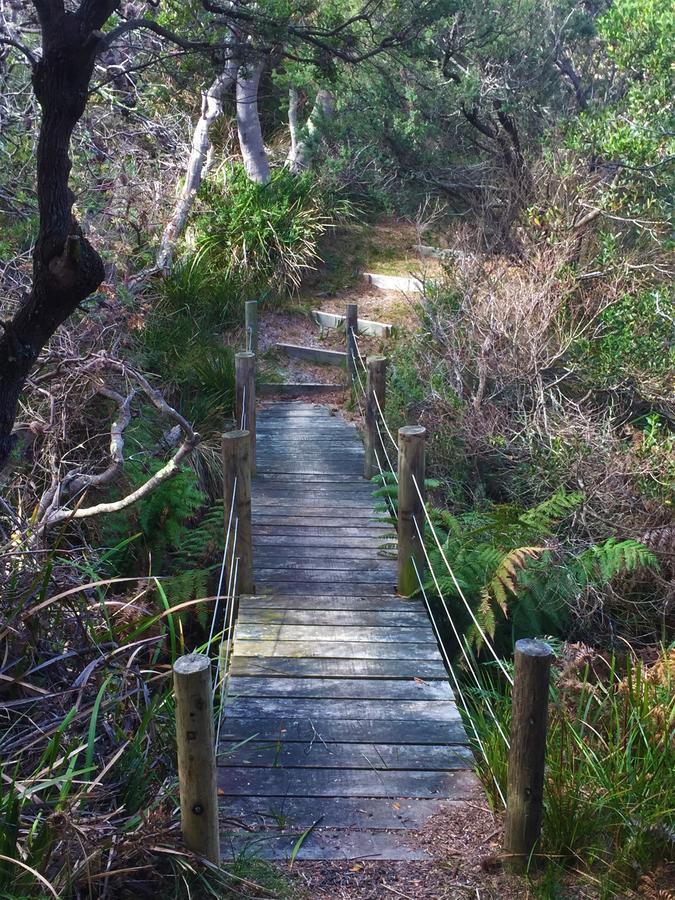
pixel 337 685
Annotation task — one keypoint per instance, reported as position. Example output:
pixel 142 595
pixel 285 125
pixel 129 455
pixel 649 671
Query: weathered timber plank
pixel 337 812
pixel 316 755
pixel 249 781
pixel 336 650
pixel 332 602
pixel 358 634
pixel 340 688
pixel 280 562
pixel 270 554
pixel 298 467
pixel 318 576
pixel 284 707
pixel 320 844
pixel 394 283
pixel 339 668
pixel 318 477
pixel 377 731
pixel 314 354
pixel 337 513
pixel 290 589
pixel 310 544
pixel 364 326
pixel 367 529
pixel 260 616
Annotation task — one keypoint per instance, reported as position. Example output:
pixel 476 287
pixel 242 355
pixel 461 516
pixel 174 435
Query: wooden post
pixel 244 408
pixel 251 319
pixel 237 469
pixel 352 325
pixel 525 783
pixel 411 439
pixel 196 755
pixel 375 388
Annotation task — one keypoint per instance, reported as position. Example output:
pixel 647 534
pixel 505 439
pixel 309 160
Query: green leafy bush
pixel 264 237
pixel 635 340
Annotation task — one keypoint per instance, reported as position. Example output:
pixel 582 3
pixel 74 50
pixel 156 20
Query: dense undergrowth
pixel 541 361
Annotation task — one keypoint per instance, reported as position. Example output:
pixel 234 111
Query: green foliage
pixel 610 765
pixel 515 587
pixel 180 536
pixel 264 237
pixel 635 341
pixel 182 340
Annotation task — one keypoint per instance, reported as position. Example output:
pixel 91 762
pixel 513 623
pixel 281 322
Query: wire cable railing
pixel 469 660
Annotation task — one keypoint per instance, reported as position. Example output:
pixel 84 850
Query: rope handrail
pixel 470 664
pixel 358 349
pixel 485 638
pixel 455 680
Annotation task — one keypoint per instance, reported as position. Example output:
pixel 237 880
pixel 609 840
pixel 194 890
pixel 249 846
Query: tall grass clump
pixel 264 237
pixel 88 786
pixel 610 763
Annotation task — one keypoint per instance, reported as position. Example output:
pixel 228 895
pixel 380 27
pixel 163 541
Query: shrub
pixel 264 237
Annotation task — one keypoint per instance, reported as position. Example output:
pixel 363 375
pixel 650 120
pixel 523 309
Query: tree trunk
pixel 300 155
pixel 293 126
pixel 248 123
pixel 66 268
pixel 212 108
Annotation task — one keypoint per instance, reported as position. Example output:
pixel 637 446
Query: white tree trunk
pixel 301 152
pixel 248 123
pixel 212 108
pixel 293 125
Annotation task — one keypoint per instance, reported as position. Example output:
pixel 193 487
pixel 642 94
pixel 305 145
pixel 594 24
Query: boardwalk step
pixel 340 688
pixel 260 616
pixel 317 755
pixel 378 731
pixel 318 667
pixel 282 707
pixel 336 812
pixel 321 844
pixel 299 389
pixel 364 326
pixel 249 781
pixel 314 354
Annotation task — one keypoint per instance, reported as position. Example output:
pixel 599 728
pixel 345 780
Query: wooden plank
pixel 339 668
pixel 299 389
pixel 310 543
pixel 381 576
pixel 337 649
pixel 314 354
pixel 364 326
pixel 341 688
pixel 394 283
pixel 337 812
pixel 280 562
pixel 285 707
pixel 378 731
pixel 308 557
pixel 321 844
pixel 331 602
pixel 249 781
pixel 286 407
pixel 399 618
pixel 291 589
pixel 338 512
pixel 374 530
pixel 317 755
pixel 318 477
pixel 358 634
pixel 298 467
